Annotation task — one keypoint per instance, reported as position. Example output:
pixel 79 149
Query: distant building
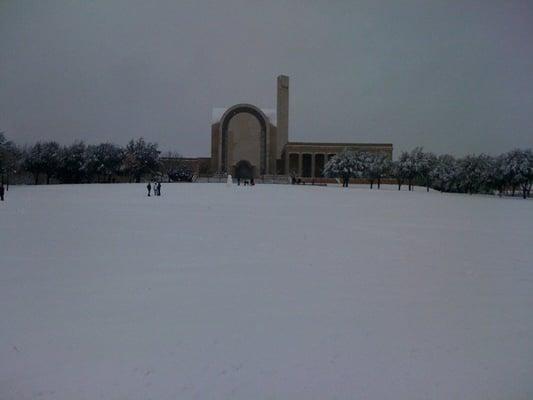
pixel 247 141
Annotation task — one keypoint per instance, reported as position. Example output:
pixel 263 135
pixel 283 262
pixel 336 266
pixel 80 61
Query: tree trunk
pixel 371 184
pixel 379 183
pixel 47 179
pixel 36 178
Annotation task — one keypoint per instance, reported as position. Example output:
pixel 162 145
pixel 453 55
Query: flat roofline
pixel 337 144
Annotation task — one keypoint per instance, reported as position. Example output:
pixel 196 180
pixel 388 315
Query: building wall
pixel 282 111
pixel 308 159
pixel 272 151
pixel 282 157
pixel 244 140
pixel 215 147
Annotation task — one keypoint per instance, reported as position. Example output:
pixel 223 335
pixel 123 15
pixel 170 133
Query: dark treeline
pixel 81 163
pixel 506 173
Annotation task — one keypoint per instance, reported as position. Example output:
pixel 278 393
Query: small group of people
pixel 297 181
pixel 246 182
pixel 156 186
pixel 2 192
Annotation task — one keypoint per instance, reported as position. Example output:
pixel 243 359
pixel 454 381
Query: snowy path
pixel 271 292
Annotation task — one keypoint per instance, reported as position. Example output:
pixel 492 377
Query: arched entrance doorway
pixel 264 132
pixel 244 170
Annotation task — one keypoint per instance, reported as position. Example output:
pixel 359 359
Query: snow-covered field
pixel 270 292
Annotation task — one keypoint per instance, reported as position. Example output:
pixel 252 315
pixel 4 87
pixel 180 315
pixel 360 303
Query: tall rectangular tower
pixel 282 113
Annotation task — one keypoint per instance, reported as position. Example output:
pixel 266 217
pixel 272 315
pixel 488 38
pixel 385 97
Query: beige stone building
pixel 247 141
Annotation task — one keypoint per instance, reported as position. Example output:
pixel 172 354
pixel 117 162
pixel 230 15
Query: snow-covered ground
pixel 270 292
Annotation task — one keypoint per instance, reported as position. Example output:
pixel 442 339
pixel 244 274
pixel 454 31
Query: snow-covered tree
pixel 177 170
pixel 404 169
pixel 73 162
pixel 42 158
pixel 397 173
pixel 414 165
pixel 33 161
pixel 444 175
pixel 4 152
pixel 377 166
pixel 140 158
pixel 51 159
pixel 426 163
pixel 362 162
pixel 180 173
pixel 474 173
pixel 103 161
pixel 344 165
pixel 9 159
pixel 518 170
pixel 510 170
pixel 496 176
pixel 526 172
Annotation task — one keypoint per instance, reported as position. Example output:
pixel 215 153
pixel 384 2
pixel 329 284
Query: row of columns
pixel 300 162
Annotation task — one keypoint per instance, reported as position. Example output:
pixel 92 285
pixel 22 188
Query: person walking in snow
pixel 159 188
pixel 2 191
pixel 149 188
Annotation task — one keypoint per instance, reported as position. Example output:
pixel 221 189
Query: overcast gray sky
pixel 452 76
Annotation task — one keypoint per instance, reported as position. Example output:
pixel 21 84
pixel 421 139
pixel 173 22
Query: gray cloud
pixel 450 76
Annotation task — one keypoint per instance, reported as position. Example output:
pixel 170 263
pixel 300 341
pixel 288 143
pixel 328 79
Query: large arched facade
pixel 226 164
pixel 248 138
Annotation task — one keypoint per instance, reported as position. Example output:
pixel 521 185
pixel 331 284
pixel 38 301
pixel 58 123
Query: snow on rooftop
pixel 217 113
